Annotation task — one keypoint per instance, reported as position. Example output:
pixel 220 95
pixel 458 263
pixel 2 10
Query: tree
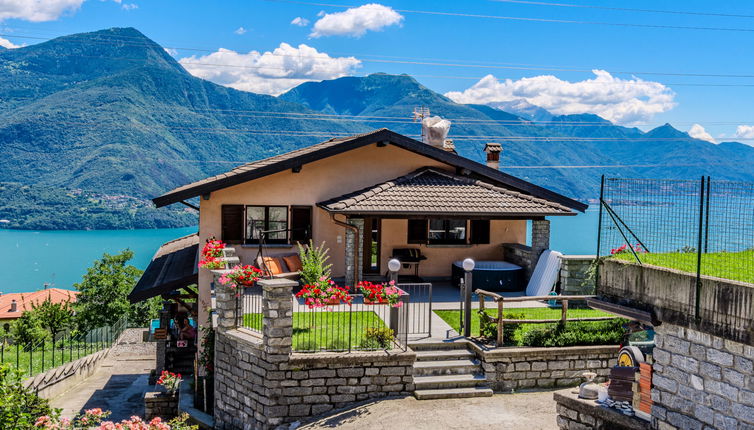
pixel 103 293
pixel 55 317
pixel 27 330
pixel 19 406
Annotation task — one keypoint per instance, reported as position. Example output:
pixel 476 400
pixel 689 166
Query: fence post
pixel 277 316
pixel 564 312
pixel 500 322
pixel 468 266
pixel 226 305
pixel 599 233
pixel 697 305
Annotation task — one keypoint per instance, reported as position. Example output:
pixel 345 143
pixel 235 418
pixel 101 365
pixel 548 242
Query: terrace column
pixel 540 241
pixel 354 248
pixel 277 318
pixel 226 304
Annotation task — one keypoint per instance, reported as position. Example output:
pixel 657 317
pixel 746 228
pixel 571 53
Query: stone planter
pixel 160 404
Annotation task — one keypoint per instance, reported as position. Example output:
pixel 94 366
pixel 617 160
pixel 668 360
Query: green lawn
pixel 39 360
pixel 330 330
pixel 737 266
pixel 452 317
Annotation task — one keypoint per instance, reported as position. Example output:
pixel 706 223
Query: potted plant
pixel 170 381
pixel 323 293
pixel 241 276
pixel 381 294
pixel 212 254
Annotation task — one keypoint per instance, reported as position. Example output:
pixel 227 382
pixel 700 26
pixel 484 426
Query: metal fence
pixel 38 357
pixel 420 321
pixel 336 328
pixel 705 226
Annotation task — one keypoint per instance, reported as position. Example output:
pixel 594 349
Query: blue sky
pixel 390 36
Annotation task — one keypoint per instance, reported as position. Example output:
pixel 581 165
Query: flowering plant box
pixel 381 294
pixel 324 293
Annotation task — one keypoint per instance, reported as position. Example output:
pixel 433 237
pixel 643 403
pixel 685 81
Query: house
pixel 13 305
pixel 365 196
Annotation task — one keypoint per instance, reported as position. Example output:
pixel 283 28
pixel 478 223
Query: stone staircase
pixel 447 370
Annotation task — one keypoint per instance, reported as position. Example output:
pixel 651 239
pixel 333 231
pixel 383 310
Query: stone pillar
pixel 540 240
pixel 354 274
pixel 226 304
pixel 277 317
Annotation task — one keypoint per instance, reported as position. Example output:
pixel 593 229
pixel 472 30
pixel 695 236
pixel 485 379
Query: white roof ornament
pixel 435 130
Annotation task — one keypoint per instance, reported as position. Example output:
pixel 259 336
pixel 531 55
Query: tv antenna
pixel 419 114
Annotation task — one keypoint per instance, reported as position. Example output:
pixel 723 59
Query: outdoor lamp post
pixel 468 266
pixel 393 266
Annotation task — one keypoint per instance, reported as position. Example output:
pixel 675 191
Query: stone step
pixel 448 381
pixel 446 367
pixel 439 354
pixel 435 345
pixel 453 393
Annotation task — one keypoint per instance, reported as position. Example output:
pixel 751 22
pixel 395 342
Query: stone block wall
pixel 580 414
pixel 540 237
pixel 510 369
pixel 574 275
pixel 701 381
pixel 260 383
pixel 158 404
pixel 519 254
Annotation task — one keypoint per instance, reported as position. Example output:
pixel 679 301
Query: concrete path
pixel 530 411
pixel 118 385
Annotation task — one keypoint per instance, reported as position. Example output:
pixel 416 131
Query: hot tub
pixel 492 275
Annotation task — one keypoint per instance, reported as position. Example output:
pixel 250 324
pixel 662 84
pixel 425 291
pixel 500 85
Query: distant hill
pixel 97 123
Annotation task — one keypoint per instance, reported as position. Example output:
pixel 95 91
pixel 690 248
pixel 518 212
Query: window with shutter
pixel 301 224
pixel 480 231
pixel 232 223
pixel 417 231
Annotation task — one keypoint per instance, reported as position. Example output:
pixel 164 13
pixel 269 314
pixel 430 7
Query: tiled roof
pixel 278 163
pixel 173 266
pixel 24 301
pixel 430 191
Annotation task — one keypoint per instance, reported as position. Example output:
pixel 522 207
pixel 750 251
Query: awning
pixel 174 266
pixel 433 192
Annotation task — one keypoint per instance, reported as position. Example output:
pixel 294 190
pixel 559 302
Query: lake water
pixel 29 259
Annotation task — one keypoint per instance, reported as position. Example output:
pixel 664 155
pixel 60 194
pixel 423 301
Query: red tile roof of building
pixel 24 301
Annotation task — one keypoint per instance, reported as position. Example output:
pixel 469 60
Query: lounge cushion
pixel 293 262
pixel 274 265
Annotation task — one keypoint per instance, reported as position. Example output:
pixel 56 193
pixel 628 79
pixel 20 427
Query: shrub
pixel 488 328
pixel 576 333
pixel 377 338
pixel 314 264
pixel 19 406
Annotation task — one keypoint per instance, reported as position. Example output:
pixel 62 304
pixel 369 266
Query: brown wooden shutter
pixel 232 223
pixel 480 231
pixel 417 231
pixel 301 224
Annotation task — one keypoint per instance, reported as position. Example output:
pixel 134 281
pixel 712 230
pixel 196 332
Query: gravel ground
pixel 530 410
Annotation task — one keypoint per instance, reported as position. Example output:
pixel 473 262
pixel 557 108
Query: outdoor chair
pixel 280 266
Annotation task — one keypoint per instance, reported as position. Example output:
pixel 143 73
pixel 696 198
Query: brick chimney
pixel 493 151
pixel 13 306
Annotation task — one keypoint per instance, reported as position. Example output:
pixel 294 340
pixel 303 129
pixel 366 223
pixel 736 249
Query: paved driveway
pixel 529 411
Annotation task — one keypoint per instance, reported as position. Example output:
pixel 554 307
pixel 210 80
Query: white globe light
pixel 468 265
pixel 394 265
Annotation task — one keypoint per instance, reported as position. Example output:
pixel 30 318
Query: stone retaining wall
pixel 59 379
pixel 701 381
pixel 510 369
pixel 159 404
pixel 260 383
pixel 519 254
pixel 575 278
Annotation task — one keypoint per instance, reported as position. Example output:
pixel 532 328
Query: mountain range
pixel 98 123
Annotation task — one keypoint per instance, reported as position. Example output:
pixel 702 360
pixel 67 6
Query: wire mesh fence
pixel 357 326
pixel 37 357
pixel 704 227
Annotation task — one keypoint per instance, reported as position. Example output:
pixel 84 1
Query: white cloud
pixel 745 131
pixel 240 30
pixel 5 43
pixel 623 101
pixel 356 21
pixel 37 10
pixel 129 6
pixel 698 132
pixel 269 72
pixel 301 22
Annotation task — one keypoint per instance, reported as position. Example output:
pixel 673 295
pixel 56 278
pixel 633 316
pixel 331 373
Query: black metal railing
pixel 337 328
pixel 421 307
pixel 36 357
